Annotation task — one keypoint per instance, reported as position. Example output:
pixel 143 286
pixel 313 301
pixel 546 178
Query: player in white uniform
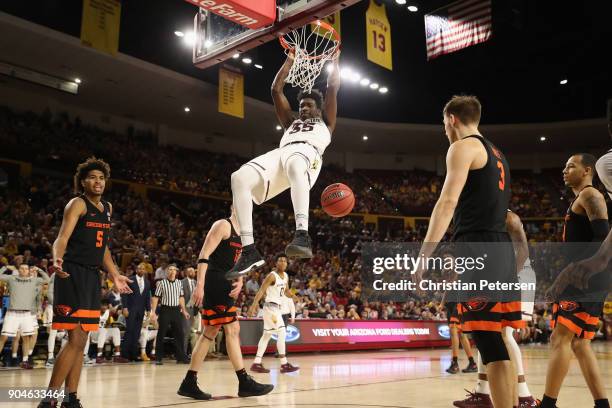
pixel 105 334
pixel 147 333
pixel 295 164
pixel 481 396
pixel 274 286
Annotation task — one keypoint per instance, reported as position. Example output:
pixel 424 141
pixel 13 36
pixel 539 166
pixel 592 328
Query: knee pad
pixel 491 346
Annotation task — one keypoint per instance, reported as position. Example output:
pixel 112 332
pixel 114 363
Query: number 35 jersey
pixel 313 131
pixel 87 244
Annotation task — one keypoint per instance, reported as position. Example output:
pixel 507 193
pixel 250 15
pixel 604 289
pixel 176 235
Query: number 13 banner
pixel 378 34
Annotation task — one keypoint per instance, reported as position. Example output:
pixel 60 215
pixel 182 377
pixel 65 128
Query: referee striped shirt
pixel 169 292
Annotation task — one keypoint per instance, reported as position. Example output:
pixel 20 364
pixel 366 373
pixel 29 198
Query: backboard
pixel 218 39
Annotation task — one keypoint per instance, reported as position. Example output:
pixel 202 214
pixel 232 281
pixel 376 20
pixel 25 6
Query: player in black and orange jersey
pixel 79 251
pixel 475 195
pixel 576 311
pixel 218 255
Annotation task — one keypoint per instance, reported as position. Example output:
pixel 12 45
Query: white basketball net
pixel 311 52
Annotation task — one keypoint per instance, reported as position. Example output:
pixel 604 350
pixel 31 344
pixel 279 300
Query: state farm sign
pixel 249 13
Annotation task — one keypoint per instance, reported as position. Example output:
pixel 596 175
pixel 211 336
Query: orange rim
pixel 326 26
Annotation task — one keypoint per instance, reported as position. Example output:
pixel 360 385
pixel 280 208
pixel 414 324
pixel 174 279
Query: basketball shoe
pixel 471 368
pixel 189 388
pixel 475 400
pixel 528 402
pixel 251 388
pixel 249 258
pixel 288 368
pixel 300 247
pixel 454 368
pixel 259 368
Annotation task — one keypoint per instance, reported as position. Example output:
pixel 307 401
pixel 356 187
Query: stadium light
pixel 247 60
pixel 542 138
pixel 77 80
pixel 374 86
pixel 355 77
pixel 400 2
pixel 236 56
pixel 563 81
pixel 329 68
pixel 383 90
pixel 346 73
pixel 413 9
pixel 187 109
pixel 364 82
pixel 278 127
pixel 258 66
pixel 179 33
pixel 189 38
pixel 207 43
pixel 365 138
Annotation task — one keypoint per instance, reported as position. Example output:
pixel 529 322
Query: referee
pixel 169 293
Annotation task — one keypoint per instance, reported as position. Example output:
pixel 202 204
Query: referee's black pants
pixel 170 317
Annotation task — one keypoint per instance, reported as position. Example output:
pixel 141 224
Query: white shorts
pixel 35 322
pixel 146 336
pixel 527 275
pixel 18 321
pixel 271 167
pixel 272 317
pixel 104 335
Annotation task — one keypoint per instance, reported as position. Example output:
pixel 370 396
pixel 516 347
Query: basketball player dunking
pixel 219 253
pixel 80 249
pixel 476 194
pixel 295 164
pixel 274 286
pixel 574 320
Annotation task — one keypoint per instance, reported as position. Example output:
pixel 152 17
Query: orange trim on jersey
pixel 573 327
pixel 218 321
pixel 587 318
pixel 72 326
pixel 481 325
pixel 86 313
pixel 509 307
pixel 515 324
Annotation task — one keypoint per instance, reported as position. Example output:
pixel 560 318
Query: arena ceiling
pixel 130 87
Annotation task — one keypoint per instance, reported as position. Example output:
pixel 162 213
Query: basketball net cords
pixel 307 65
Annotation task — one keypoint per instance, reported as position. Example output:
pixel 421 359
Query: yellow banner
pixel 333 20
pixel 231 93
pixel 100 25
pixel 378 34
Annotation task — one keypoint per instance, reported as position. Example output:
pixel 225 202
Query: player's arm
pixel 119 280
pixel 270 280
pixel 44 277
pixel 519 239
pixel 331 97
pixel 281 103
pixel 74 210
pixel 594 204
pixel 459 158
pixel 219 231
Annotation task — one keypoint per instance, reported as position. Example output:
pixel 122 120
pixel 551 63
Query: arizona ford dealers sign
pixel 249 13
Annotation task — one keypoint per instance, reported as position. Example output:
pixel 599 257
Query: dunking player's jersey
pixel 275 293
pixel 216 287
pixel 483 203
pixel 313 131
pixel 87 244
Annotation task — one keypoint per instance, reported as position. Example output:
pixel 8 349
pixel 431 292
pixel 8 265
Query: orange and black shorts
pixel 77 298
pixel 581 318
pixel 477 315
pixel 452 315
pixel 219 315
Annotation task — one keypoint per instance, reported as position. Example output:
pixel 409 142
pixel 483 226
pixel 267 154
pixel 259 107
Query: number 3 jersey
pixel 313 131
pixel 88 241
pixel 483 203
pixel 223 258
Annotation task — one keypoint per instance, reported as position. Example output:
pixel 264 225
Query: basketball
pixel 337 200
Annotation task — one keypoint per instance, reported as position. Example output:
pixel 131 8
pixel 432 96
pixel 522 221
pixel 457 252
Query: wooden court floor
pixel 391 378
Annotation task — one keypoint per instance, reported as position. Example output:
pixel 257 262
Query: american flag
pixel 457 26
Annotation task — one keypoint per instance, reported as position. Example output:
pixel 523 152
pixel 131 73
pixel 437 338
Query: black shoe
pixel 183 361
pixel 159 362
pixel 251 388
pixel 189 388
pixel 453 369
pixel 249 259
pixel 47 404
pixel 471 368
pixel 300 247
pixel 72 404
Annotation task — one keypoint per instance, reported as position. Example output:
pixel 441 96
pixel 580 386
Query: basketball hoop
pixel 311 48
